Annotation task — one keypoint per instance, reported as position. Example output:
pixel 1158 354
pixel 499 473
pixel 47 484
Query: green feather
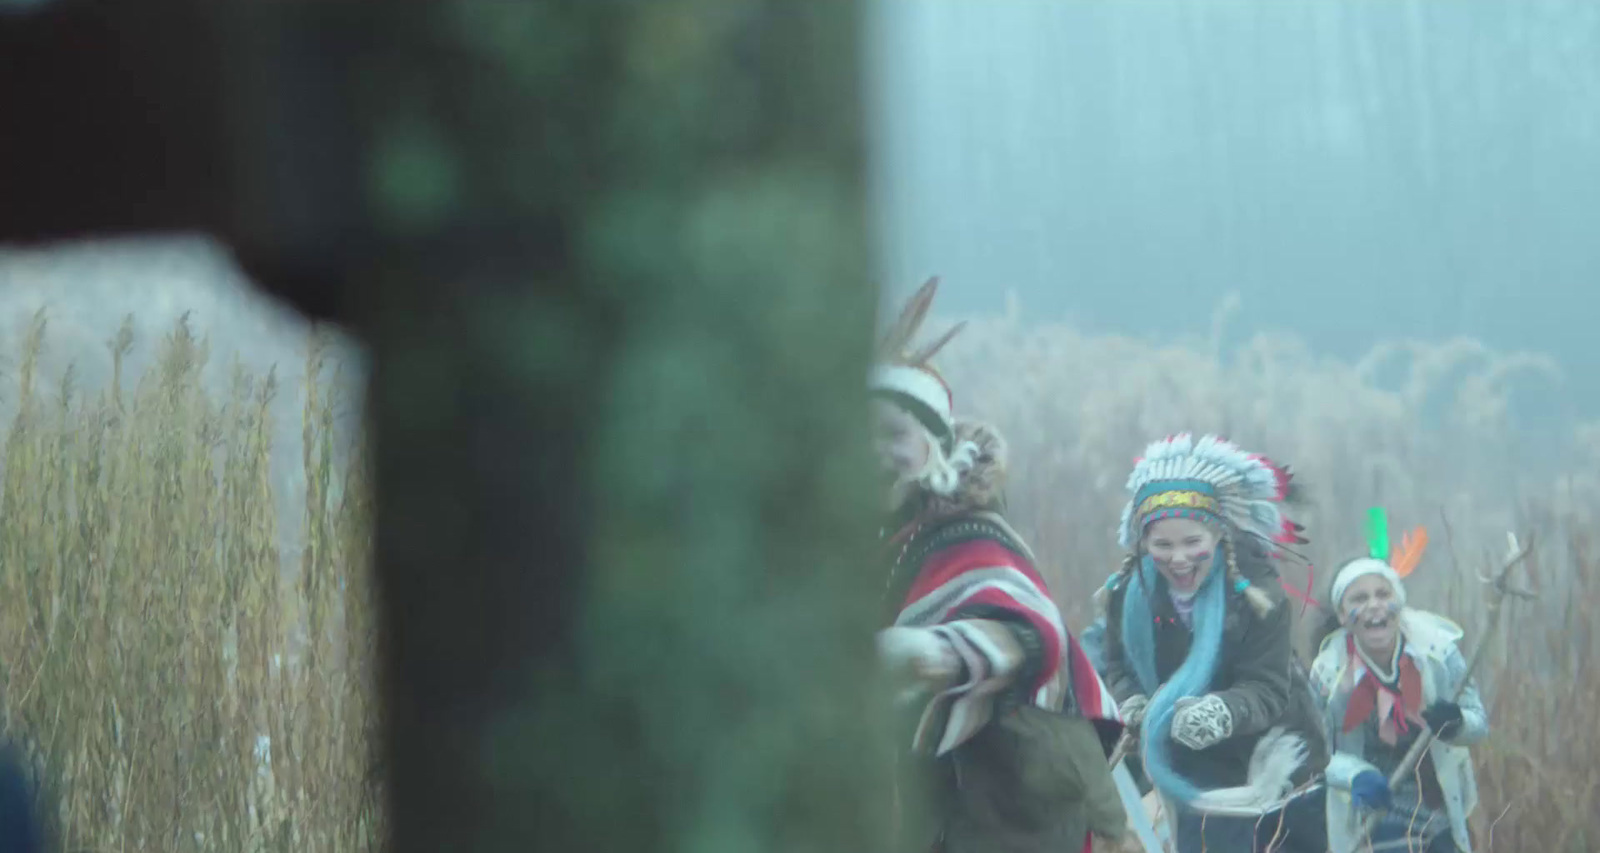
pixel 1378 533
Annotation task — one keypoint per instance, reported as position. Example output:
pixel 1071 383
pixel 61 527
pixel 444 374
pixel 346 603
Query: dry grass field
pixel 181 684
pixel 1436 446
pixel 187 687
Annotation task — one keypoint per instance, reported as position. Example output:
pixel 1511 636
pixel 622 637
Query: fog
pixel 1354 172
pixel 1349 173
pixel 86 289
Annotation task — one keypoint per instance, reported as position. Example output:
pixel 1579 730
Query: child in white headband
pixel 1010 728
pixel 1384 672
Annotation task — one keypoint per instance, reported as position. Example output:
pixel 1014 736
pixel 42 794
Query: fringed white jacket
pixel 1431 644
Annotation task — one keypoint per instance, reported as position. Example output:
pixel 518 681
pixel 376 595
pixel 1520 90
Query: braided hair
pixel 1259 601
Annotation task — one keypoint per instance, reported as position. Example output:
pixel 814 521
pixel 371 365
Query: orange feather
pixel 1409 554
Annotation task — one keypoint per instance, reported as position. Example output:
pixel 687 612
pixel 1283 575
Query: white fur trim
pixel 917 383
pixel 1361 568
pixel 1272 765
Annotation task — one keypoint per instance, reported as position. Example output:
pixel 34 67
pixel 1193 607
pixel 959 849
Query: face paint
pixel 1372 614
pixel 1183 551
pixel 1372 610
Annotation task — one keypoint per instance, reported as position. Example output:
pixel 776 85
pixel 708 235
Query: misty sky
pixel 1355 171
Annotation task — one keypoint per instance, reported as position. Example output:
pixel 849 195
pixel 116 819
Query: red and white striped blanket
pixel 975 579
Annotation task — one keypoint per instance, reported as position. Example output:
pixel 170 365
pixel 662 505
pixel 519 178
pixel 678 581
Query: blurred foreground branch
pixel 606 259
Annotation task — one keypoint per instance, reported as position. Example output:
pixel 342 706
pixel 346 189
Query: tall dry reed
pixel 179 684
pixel 181 689
pixel 1423 429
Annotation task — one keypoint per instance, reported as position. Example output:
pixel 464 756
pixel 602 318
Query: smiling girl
pixel 1197 642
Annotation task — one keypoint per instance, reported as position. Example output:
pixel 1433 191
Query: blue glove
pixel 1369 790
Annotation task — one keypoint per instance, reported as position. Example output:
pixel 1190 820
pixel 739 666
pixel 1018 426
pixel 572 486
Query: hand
pixel 1369 790
pixel 1444 718
pixel 920 652
pixel 1133 710
pixel 1199 723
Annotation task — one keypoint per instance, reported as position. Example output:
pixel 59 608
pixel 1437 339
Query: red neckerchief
pixel 1395 705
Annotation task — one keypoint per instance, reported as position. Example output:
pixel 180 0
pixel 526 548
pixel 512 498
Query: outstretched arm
pixel 988 605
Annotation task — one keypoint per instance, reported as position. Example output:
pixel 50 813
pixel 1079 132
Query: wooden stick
pixel 1124 743
pixel 1498 584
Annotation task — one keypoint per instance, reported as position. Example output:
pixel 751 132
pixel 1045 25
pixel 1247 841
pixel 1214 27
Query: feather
pixel 923 355
pixel 1303 596
pixel 1409 554
pixel 1272 765
pixel 1248 486
pixel 1378 534
pixel 894 342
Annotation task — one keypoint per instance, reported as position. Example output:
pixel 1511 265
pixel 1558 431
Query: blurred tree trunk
pixel 609 260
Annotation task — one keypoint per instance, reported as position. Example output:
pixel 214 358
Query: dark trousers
pixel 1441 843
pixel 19 827
pixel 1299 827
pixel 1304 828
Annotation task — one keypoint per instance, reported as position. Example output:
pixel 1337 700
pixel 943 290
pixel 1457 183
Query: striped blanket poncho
pixel 972 581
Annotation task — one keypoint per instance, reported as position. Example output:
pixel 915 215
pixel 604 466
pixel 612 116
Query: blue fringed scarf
pixel 1193 678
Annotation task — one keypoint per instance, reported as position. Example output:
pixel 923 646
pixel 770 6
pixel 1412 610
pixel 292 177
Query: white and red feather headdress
pixel 1208 478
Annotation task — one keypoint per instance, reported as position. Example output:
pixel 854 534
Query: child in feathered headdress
pixel 1383 670
pixel 1197 643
